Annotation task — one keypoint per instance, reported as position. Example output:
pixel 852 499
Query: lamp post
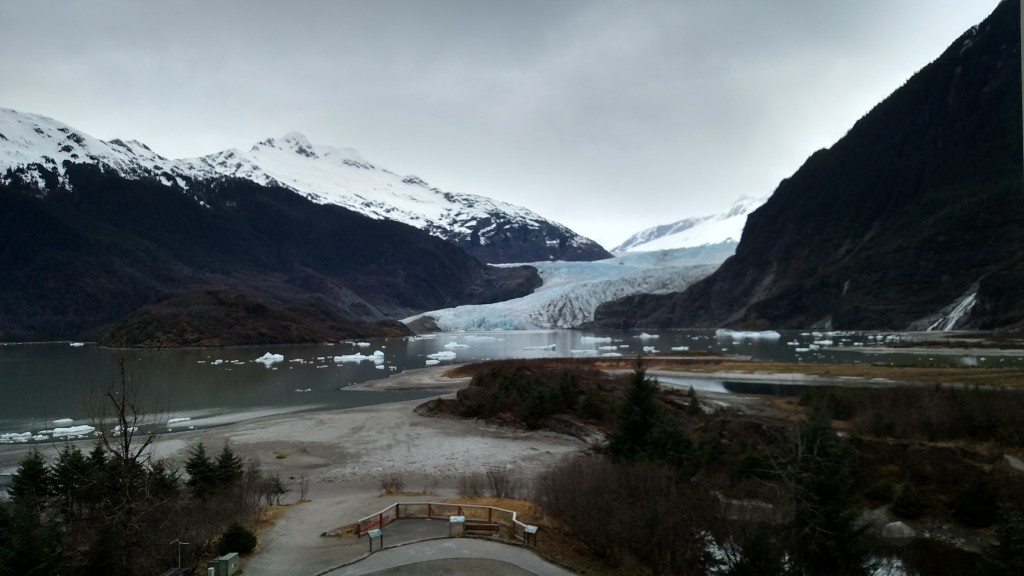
pixel 180 544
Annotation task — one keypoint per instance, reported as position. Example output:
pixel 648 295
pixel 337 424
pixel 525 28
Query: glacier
pixel 571 291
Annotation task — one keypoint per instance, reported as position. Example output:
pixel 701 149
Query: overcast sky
pixel 607 116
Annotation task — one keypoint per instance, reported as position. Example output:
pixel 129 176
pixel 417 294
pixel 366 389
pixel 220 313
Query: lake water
pixel 41 383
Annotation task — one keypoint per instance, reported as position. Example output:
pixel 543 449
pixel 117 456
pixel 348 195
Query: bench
pixel 482 527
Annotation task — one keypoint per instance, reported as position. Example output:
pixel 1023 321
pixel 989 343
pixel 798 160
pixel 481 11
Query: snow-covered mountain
pixel 573 290
pixel 37 148
pixel 726 227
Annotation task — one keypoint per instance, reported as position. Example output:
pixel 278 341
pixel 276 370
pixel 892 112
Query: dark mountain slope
pixel 918 206
pixel 76 260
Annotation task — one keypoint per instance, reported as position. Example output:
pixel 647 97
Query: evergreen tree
pixel 202 473
pixel 1006 556
pixel 825 536
pixel 643 430
pixel 31 484
pixel 638 417
pixel 71 474
pixel 228 467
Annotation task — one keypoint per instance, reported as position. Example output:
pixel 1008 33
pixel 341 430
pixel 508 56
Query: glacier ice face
pixel 573 290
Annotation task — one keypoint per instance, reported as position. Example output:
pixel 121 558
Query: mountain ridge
pixel 79 259
pixel 492 231
pixel 915 210
pixel 692 232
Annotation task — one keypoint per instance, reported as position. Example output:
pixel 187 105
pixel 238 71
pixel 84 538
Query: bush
pixel 237 538
pixel 907 502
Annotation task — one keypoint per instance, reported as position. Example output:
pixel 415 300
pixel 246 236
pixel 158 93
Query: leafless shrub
pixel 503 482
pixel 430 485
pixel 303 486
pixel 392 483
pixel 643 510
pixel 471 485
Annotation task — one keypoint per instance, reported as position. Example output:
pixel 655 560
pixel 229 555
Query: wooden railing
pixel 509 525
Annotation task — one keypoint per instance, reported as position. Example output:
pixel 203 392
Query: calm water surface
pixel 40 383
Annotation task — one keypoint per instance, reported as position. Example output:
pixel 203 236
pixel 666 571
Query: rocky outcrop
pixel 920 201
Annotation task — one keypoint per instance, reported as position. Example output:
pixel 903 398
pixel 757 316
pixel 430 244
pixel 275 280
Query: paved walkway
pixel 409 542
pixel 519 559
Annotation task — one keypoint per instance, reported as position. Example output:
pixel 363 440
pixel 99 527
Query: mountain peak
pixel 695 231
pixel 291 142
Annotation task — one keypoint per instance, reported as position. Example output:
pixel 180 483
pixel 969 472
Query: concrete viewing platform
pixel 413 547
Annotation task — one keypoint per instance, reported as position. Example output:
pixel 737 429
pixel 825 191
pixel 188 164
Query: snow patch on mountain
pixel 726 227
pixel 37 147
pixel 573 290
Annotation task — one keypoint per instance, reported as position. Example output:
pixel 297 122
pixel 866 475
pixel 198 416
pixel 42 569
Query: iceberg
pixel 73 431
pixel 269 359
pixel 549 347
pixel 354 358
pixel 15 437
pixel 724 334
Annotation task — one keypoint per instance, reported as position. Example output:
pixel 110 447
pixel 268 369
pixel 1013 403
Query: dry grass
pixel 554 541
pixel 971 376
pixel 706 362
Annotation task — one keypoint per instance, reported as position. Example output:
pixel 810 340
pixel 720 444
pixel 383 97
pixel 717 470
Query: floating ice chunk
pixel 801 350
pixel 173 421
pixel 217 362
pixel 823 342
pixel 549 347
pixel 482 338
pixel 611 354
pixel 363 344
pixel 442 355
pixel 15 437
pixel 455 345
pixel 432 362
pixel 680 348
pixel 269 359
pixel 352 358
pixel 612 347
pixel 595 340
pixel 303 389
pixel 63 422
pixel 76 344
pixel 646 336
pixel 650 350
pixel 583 352
pixel 73 430
pixel 747 335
